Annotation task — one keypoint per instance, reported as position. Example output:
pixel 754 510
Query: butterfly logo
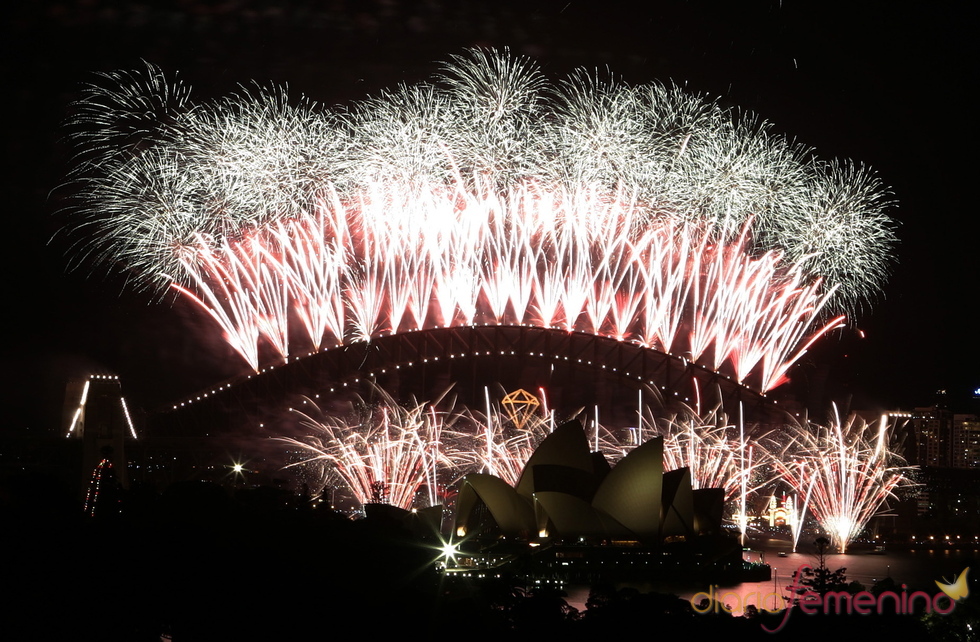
pixel 957 590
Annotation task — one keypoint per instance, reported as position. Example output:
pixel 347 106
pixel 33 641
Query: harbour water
pixel 918 569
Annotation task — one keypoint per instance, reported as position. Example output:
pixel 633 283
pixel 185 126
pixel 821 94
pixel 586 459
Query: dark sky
pixel 880 83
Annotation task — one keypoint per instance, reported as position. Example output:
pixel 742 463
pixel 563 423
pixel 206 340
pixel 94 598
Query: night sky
pixel 883 84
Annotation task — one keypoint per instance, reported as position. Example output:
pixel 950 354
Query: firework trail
pixel 707 443
pixel 847 471
pixel 382 452
pixel 489 195
pixel 502 442
pixel 386 452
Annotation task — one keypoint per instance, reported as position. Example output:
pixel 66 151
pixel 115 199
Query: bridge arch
pixel 576 370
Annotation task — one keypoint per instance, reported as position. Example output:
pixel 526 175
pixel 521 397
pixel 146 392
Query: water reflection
pixel 916 569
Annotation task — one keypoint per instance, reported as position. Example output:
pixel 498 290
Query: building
pixel 571 516
pixel 965 441
pixel 944 439
pixel 932 427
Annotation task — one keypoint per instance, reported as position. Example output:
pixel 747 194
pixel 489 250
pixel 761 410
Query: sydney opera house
pixel 574 514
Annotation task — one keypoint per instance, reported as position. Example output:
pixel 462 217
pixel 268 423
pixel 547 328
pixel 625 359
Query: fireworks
pixel 383 452
pixel 489 195
pixel 717 452
pixel 846 471
pixel 492 195
pixel 502 440
pixel 406 455
pixel 842 473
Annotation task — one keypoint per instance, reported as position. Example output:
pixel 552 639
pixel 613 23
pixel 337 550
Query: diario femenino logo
pixel 811 602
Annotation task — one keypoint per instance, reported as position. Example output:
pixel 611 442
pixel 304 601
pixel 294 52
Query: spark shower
pixel 488 195
pixel 407 455
pixel 493 195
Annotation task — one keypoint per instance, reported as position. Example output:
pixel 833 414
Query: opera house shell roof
pixel 565 492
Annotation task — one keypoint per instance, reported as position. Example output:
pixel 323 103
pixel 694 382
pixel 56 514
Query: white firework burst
pixel 488 186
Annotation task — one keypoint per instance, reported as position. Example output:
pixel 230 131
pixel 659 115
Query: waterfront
pixel 917 569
